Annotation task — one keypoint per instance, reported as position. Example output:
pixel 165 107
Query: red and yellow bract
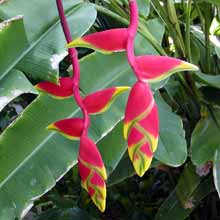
pixel 71 128
pixel 100 101
pixel 109 41
pixel 63 90
pixel 92 172
pixel 141 127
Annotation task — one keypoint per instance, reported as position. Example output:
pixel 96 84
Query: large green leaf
pixel 216 171
pixel 172 148
pixel 212 80
pixel 123 171
pixel 144 7
pixel 205 139
pixel 11 44
pixel 142 46
pixel 39 15
pixel 13 85
pixel 40 19
pixel 43 61
pixel 187 195
pixel 116 146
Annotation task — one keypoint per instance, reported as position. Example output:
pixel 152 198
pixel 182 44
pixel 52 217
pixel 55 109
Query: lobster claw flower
pixel 100 101
pixel 71 128
pixel 108 41
pixel 92 172
pixel 141 127
pixel 156 68
pixel 63 90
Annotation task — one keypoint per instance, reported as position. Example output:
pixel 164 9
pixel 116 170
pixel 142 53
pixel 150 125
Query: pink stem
pixel 75 65
pixel 132 31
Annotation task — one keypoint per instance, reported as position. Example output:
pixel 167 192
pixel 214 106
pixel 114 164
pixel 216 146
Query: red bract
pixel 92 172
pixel 141 126
pixel 100 101
pixel 105 41
pixel 71 128
pixel 156 68
pixel 63 90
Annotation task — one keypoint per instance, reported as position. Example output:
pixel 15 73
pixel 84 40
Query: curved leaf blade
pixel 13 85
pixel 171 151
pixel 42 23
pixel 42 62
pixel 205 139
pixel 11 44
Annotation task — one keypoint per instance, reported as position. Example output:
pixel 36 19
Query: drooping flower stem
pixel 75 65
pixel 132 31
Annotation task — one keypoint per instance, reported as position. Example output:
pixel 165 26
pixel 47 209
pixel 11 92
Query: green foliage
pixel 183 200
pixel 205 140
pixel 13 85
pixel 11 45
pixel 32 159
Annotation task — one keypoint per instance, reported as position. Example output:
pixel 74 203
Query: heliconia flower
pixel 92 172
pixel 108 41
pixel 63 90
pixel 156 68
pixel 141 127
pixel 71 128
pixel 100 101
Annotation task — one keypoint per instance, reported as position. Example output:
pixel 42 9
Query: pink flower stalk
pixel 141 122
pixel 91 166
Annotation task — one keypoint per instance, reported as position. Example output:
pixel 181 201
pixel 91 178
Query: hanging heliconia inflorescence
pixel 141 123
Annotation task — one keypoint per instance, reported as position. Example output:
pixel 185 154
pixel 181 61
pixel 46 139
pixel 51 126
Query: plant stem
pixel 188 47
pixel 188 19
pixel 177 35
pixel 171 23
pixel 76 68
pixel 207 44
pixel 132 31
pixel 142 29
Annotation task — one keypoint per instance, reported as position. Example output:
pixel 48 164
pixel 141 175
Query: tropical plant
pixel 187 103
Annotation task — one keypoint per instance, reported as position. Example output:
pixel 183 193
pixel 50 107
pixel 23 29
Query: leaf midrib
pixel 36 42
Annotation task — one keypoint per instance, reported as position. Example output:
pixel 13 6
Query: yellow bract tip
pixel 188 66
pixel 76 43
pixel 51 127
pixel 125 130
pixel 121 89
pixel 141 166
pixel 99 198
pixel 103 173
